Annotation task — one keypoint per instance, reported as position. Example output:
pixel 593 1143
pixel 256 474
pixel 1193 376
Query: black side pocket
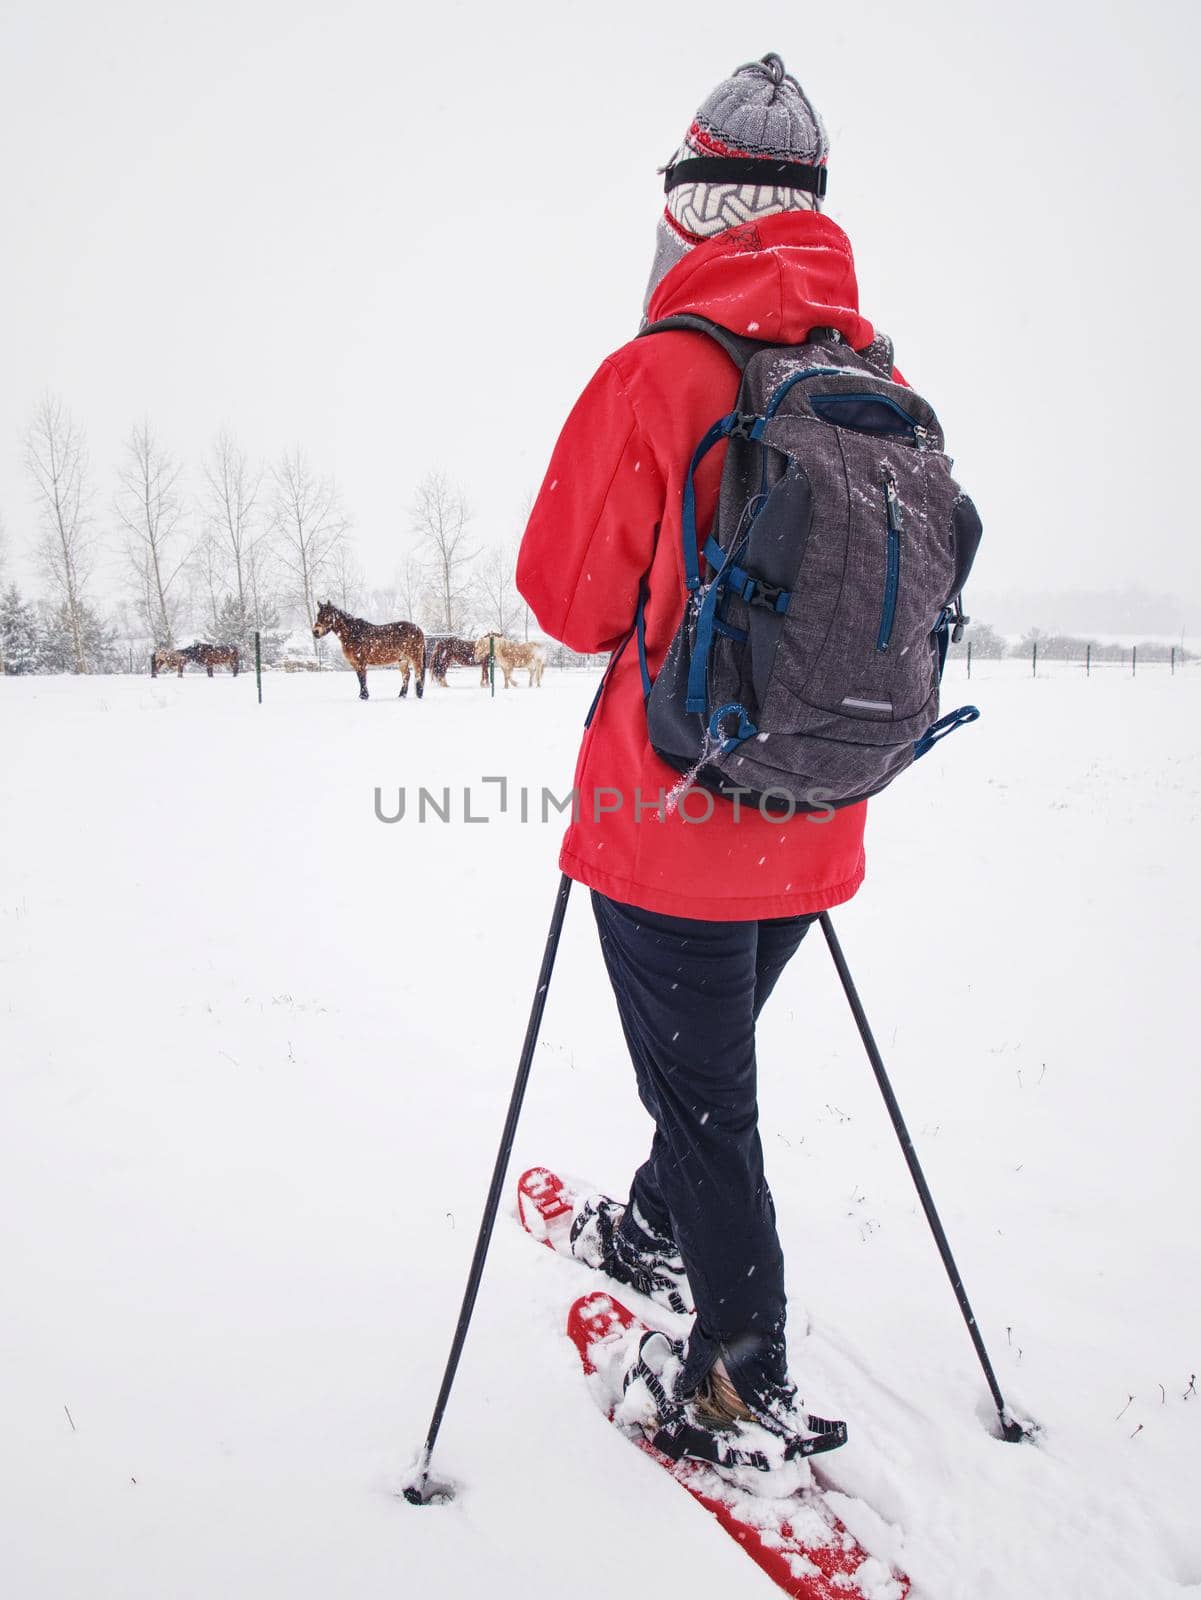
pixel 775 552
pixel 677 735
pixel 966 531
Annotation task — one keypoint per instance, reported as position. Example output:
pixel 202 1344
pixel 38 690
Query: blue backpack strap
pixel 945 725
pixel 740 351
pixel 720 430
pixel 746 728
pixel 638 630
pixel 600 688
pixel 697 695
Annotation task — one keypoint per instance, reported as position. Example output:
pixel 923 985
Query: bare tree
pixel 346 580
pixel 309 525
pixel 262 585
pixel 413 591
pixel 131 630
pixel 230 511
pixel 500 605
pixel 211 570
pixel 405 598
pixel 57 460
pixel 383 602
pixel 527 616
pixel 440 520
pixel 150 509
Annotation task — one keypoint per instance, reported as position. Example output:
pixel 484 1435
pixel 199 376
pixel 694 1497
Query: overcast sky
pixel 405 236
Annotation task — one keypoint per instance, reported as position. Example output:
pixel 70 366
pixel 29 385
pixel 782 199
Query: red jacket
pixel 608 516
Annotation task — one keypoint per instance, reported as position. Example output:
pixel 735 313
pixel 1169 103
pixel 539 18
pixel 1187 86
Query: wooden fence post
pixel 969 659
pixel 1133 659
pixel 258 664
pixel 1088 661
pixel 492 663
pixel 1034 659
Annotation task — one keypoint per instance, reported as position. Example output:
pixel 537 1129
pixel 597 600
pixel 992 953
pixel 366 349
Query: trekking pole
pixel 416 1491
pixel 1010 1430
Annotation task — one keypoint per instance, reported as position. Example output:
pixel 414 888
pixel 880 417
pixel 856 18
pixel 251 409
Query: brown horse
pixel 449 652
pixel 375 644
pixel 167 661
pixel 209 656
pixel 512 657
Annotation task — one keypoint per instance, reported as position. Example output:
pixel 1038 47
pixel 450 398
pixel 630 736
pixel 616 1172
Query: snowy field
pixel 256 1048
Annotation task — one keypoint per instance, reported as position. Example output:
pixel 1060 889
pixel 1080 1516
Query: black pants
pixel 689 994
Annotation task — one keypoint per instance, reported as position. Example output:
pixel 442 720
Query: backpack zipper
pixel 892 562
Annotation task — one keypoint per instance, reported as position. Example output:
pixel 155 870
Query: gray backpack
pixel 805 672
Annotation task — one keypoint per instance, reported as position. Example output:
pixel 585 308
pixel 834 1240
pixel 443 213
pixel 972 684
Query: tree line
pixel 253 547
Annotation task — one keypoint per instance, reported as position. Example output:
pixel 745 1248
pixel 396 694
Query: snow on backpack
pixel 805 672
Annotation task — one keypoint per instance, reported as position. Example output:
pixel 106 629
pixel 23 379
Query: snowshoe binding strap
pixel 680 1437
pixel 624 1268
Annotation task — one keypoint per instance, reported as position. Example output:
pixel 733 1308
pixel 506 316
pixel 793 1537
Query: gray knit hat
pixel 759 114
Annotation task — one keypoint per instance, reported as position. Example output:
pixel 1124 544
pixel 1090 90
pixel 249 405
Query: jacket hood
pixel 773 279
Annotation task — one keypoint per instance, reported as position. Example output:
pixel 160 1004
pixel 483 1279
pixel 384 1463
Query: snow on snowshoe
pixel 583 1224
pixel 755 1481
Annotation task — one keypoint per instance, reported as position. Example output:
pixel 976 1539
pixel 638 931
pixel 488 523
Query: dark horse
pixel 198 654
pixel 375 644
pixel 209 656
pixel 448 652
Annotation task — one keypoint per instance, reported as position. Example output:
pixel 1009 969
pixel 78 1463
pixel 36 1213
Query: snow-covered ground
pixel 255 1049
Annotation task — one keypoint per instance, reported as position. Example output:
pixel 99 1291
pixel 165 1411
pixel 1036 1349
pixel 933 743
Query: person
pixel 701 904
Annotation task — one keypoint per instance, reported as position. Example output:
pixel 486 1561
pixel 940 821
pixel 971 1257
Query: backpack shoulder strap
pixel 738 349
pixel 878 354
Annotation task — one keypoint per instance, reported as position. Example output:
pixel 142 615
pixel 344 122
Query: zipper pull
pixel 893 501
pixel 921 435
